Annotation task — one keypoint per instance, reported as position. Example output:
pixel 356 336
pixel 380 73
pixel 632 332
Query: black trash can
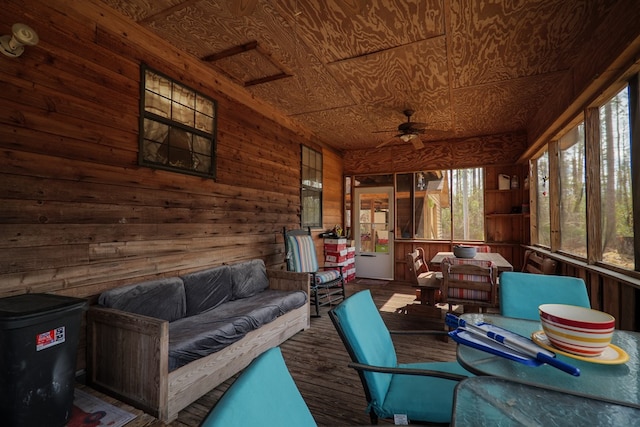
pixel 38 346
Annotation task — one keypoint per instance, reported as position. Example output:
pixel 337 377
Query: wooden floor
pixel 318 361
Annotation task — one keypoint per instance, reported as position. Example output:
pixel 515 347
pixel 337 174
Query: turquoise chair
pixel 264 394
pixel 421 391
pixel 522 293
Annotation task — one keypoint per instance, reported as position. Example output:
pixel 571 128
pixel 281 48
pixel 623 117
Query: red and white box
pixel 351 252
pixel 336 256
pixel 336 264
pixel 335 245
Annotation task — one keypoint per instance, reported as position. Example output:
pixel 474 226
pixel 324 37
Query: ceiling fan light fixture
pixel 407 137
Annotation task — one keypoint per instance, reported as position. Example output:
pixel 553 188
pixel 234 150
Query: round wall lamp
pixel 22 35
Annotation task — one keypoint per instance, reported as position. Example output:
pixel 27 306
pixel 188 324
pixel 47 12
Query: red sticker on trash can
pixel 49 339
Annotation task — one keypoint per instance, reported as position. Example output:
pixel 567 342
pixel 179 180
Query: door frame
pixel 368 263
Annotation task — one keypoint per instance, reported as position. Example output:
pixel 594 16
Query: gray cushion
pixel 197 336
pixel 161 298
pixel 248 278
pixel 207 289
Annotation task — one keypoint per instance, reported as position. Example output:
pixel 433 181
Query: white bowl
pixel 578 330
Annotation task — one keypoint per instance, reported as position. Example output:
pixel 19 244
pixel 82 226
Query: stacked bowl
pixel 578 330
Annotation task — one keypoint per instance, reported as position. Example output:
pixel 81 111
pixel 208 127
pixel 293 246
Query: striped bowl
pixel 578 330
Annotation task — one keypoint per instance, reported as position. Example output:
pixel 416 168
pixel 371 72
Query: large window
pixel 573 204
pixel 608 216
pixel 615 177
pixel 430 204
pixel 177 126
pixel 311 188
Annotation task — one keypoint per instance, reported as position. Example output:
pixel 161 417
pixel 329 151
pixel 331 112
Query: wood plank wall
pixel 78 215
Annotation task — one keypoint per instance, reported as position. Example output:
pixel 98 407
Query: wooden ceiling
pixel 348 68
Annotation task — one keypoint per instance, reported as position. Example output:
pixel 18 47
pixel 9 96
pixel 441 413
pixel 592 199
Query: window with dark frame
pixel 177 126
pixel 311 189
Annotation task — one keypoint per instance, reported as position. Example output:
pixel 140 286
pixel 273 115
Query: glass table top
pixel 618 382
pixel 492 401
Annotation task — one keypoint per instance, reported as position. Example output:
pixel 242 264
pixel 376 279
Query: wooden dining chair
pixel 469 282
pixel 429 283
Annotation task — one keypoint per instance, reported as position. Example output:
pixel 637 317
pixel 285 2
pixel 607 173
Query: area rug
pixel 90 411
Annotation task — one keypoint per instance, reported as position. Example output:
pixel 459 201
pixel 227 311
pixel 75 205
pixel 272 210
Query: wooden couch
pixel 129 354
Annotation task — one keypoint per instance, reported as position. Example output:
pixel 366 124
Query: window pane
pixel 542 200
pixel 178 131
pixel 573 204
pixel 467 193
pixel 310 208
pixel 615 175
pixel 432 211
pixel 404 212
pixel 311 182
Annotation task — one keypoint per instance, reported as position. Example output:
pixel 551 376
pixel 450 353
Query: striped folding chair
pixel 327 283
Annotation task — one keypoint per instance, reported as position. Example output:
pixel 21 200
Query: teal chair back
pixel 264 394
pixel 368 341
pixel 522 293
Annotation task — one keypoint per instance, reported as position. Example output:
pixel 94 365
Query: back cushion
pixel 207 289
pixel 248 278
pixel 161 298
pixel 301 255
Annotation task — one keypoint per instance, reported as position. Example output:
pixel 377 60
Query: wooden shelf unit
pixel 505 221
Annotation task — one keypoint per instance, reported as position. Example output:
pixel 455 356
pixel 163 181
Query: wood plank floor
pixel 318 361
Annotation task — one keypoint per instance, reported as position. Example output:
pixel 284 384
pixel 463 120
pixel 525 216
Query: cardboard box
pixel 334 247
pixel 335 257
pixel 336 264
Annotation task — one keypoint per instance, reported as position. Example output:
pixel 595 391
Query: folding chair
pixel 327 283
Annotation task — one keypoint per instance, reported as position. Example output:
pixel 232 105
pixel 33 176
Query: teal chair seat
pixel 264 394
pixel 522 293
pixel 421 391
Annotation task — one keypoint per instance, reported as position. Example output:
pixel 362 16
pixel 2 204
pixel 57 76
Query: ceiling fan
pixel 408 131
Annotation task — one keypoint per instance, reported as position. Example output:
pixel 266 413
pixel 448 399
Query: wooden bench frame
pixel 129 354
pixel 537 264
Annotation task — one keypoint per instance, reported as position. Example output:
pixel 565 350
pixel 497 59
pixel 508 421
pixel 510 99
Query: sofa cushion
pixel 161 298
pixel 207 289
pixel 248 278
pixel 197 336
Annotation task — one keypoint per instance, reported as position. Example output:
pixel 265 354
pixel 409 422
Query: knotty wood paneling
pixel 78 215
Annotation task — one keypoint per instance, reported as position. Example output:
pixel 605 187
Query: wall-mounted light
pixel 22 35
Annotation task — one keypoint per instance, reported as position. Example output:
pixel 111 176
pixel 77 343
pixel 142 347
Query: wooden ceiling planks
pixel 467 68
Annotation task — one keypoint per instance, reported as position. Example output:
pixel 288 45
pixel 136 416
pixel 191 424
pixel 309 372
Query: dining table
pixel 615 377
pixel 500 262
pixel 492 401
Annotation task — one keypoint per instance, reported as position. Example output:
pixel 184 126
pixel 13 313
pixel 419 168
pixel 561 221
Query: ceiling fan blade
pixel 384 143
pixel 383 131
pixel 410 127
pixel 417 143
